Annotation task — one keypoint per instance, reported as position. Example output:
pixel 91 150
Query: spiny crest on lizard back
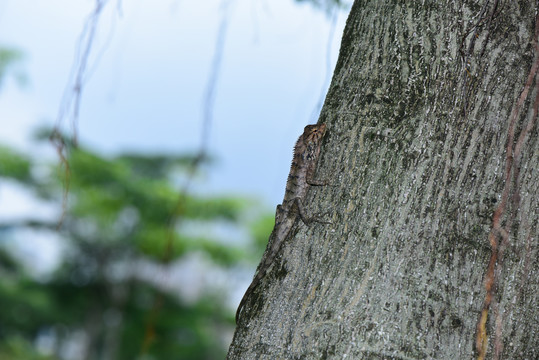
pixel 300 178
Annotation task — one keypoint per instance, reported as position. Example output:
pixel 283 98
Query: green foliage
pixel 14 165
pixel 158 165
pixel 8 60
pixel 8 265
pixel 120 210
pixel 260 230
pixel 18 348
pixel 29 304
pixel 178 331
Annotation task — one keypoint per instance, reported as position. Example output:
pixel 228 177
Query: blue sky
pixel 151 62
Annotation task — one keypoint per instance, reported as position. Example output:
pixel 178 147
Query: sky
pixel 145 86
pixel 148 70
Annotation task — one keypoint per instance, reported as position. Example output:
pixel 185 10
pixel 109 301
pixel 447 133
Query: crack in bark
pixel 498 232
pixel 466 56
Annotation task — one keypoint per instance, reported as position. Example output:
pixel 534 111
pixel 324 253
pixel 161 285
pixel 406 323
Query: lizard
pixel 300 178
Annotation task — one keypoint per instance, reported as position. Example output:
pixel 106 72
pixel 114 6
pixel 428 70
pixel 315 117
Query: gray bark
pixel 435 169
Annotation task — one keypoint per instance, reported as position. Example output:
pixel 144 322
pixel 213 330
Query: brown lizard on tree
pixel 301 176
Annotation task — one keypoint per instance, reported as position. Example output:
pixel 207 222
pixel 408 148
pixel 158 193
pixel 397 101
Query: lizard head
pixel 314 133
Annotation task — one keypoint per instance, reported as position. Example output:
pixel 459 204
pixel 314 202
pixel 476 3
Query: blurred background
pixel 143 149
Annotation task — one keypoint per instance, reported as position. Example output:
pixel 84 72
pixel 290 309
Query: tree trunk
pixel 432 148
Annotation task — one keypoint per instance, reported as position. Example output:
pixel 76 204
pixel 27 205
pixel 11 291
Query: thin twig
pixel 207 120
pixel 70 104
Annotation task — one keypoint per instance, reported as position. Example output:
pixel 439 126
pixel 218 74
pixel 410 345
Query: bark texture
pixel 435 202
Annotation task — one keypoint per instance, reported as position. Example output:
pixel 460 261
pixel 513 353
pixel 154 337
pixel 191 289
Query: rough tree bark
pixel 433 152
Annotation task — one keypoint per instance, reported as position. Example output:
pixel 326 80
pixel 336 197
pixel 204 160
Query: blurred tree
pixel 118 220
pixel 118 216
